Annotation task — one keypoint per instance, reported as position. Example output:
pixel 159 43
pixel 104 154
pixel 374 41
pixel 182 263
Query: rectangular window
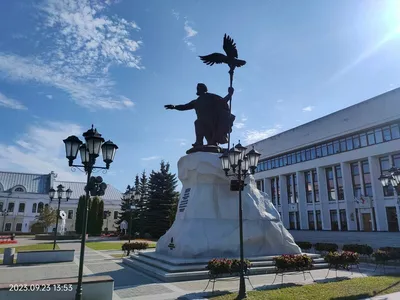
pixel 371 138
pixel 378 136
pixel 355 174
pixel 339 183
pixel 8 227
pixel 273 192
pixel 289 182
pixel 343 219
pixel 315 183
pixel 292 222
pixel 334 220
pixel 278 191
pixel 308 154
pixel 313 154
pixel 324 150
pixel 1 206
pixel 18 227
pixel 311 225
pixel 388 191
pixel 319 152
pixel 386 134
pixel 336 147
pixel 394 129
pixel 343 147
pixel 356 141
pixel 296 195
pixel 396 160
pixel 319 220
pixel 330 149
pixel 303 155
pixel 367 178
pixel 269 165
pixel 289 159
pixel 21 208
pixel 363 140
pixel 281 162
pixel 297 220
pixel 115 215
pixel 308 186
pixel 10 207
pixel 259 184
pixel 330 185
pixel 349 143
pixel 298 157
pixel 391 215
pixel 70 214
pixel 293 158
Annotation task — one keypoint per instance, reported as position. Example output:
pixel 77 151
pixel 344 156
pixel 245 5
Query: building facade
pixel 23 196
pixel 323 175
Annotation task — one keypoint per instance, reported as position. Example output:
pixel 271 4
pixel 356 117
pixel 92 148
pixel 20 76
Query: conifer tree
pixel 79 214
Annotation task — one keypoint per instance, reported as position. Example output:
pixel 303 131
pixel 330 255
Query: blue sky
pixel 66 64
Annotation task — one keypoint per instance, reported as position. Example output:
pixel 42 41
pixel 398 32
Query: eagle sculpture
pixel 231 57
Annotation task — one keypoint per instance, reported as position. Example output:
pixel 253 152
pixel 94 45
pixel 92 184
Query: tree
pixel 46 217
pixel 143 188
pixel 95 213
pixel 79 214
pixel 123 215
pixel 162 199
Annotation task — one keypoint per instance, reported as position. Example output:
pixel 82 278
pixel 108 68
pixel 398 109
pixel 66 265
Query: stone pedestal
pixel 8 258
pixel 207 220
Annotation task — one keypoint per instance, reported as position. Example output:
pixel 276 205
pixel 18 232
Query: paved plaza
pixel 132 284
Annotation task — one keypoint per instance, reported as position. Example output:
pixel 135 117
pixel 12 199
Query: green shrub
pixel 304 245
pixel 360 249
pixel 218 266
pixel 297 262
pixel 128 247
pixel 393 252
pixel 381 256
pixel 342 260
pixel 328 247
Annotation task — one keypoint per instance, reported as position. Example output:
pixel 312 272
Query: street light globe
pixel 60 191
pixel 396 176
pixel 244 165
pixel 253 157
pixel 384 179
pixel 234 156
pixel 68 193
pixel 93 141
pixel 51 193
pixel 241 149
pixel 225 161
pixel 108 149
pixel 85 156
pixel 72 144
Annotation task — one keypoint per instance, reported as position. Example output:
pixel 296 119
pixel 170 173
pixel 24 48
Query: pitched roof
pixel 78 189
pixel 33 183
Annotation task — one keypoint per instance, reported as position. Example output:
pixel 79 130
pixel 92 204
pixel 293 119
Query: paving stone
pixel 142 290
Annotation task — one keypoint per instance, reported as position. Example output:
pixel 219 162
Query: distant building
pixel 323 175
pixel 23 196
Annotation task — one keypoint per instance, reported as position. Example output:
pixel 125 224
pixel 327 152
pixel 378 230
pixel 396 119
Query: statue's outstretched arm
pixel 229 96
pixel 187 106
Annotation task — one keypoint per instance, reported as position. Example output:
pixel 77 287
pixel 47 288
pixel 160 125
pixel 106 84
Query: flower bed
pixel 287 263
pixel 342 260
pixel 128 247
pixel 219 266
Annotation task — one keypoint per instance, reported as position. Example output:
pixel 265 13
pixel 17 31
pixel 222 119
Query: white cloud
pixel 190 33
pixel 150 158
pixel 175 14
pixel 10 103
pixel 41 150
pixel 242 123
pixel 84 45
pixel 49 96
pixel 252 136
pixel 308 108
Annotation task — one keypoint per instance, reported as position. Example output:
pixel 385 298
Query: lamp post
pixel 60 192
pixel 89 151
pixel 4 213
pixel 392 178
pixel 237 164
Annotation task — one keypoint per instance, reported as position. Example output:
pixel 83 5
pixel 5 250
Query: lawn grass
pixel 111 245
pixel 352 289
pixel 41 246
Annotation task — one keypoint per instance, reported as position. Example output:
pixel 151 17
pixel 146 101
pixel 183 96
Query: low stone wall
pixel 45 256
pixel 50 237
pixel 373 239
pixel 94 288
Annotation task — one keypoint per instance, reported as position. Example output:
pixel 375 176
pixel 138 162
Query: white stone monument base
pixel 207 222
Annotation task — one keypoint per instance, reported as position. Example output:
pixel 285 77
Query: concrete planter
pixel 45 256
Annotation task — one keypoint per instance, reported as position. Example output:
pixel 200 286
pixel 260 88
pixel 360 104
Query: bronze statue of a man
pixel 214 120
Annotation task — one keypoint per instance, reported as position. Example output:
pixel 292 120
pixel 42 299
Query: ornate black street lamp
pixel 392 178
pixel 60 192
pixel 239 163
pixel 4 213
pixel 95 186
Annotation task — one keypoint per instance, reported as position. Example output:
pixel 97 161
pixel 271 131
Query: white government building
pixel 23 196
pixel 323 175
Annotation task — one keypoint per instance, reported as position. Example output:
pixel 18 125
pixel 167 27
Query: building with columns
pixel 23 196
pixel 323 175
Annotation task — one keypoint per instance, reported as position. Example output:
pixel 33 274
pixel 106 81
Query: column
pixel 336 196
pixel 284 200
pixel 323 198
pixel 377 192
pixel 349 196
pixel 301 189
